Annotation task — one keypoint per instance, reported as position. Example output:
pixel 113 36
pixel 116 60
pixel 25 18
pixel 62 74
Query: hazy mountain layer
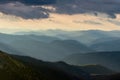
pixel 87 37
pixel 108 59
pixel 107 45
pixel 41 47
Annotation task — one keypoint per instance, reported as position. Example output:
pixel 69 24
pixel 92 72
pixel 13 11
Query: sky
pixel 27 15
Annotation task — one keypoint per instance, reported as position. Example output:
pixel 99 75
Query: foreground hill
pixel 91 69
pixel 107 59
pixel 13 67
pixel 26 68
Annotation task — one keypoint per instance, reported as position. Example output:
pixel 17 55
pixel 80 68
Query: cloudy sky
pixel 25 15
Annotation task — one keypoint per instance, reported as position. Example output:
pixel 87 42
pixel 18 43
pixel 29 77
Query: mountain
pixel 57 44
pixel 107 59
pixel 97 70
pixel 107 77
pixel 11 69
pixel 107 45
pixel 41 47
pixel 25 68
pixel 9 49
pixel 87 37
pixel 53 51
pixel 72 46
pixel 45 67
pixel 12 43
pixel 12 37
pixel 14 67
pixel 91 69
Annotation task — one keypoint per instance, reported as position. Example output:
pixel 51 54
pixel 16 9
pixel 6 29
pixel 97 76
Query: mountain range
pixel 107 59
pixel 14 67
pixel 107 45
pixel 76 60
pixel 41 47
pixel 86 36
pixel 21 68
pixel 54 45
pixel 97 40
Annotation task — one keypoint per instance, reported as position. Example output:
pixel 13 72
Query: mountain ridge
pixel 107 59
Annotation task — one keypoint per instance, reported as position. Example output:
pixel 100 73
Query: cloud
pixel 30 2
pixel 24 11
pixel 27 8
pixel 110 7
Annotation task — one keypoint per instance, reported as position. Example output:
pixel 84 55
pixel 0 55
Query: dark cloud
pixel 30 2
pixel 110 7
pixel 27 8
pixel 26 12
